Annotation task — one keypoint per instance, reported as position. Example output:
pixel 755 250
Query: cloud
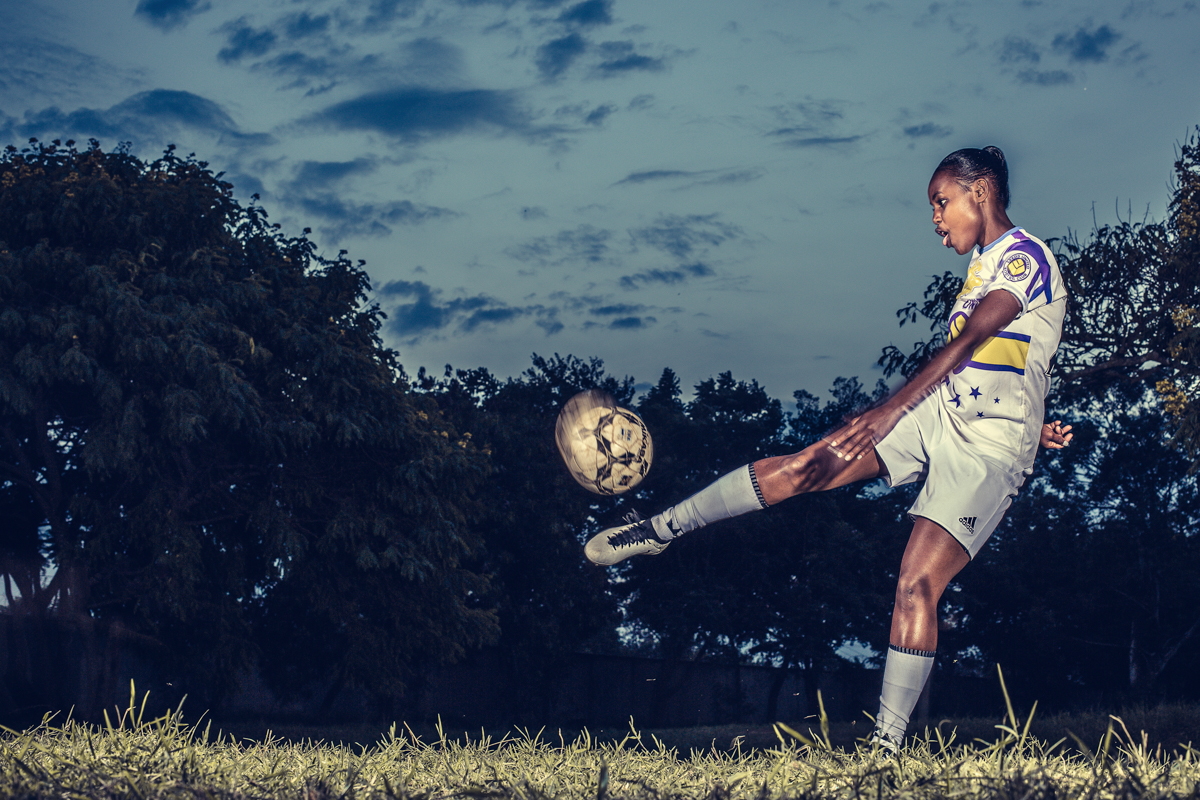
pixel 641 102
pixel 1034 77
pixel 382 12
pixel 1014 50
pixel 154 115
pixel 554 57
pixel 35 69
pixel 303 65
pixel 669 277
pixel 654 175
pixel 1084 45
pixel 364 219
pixel 167 14
pixel 718 178
pixel 244 40
pixel 619 58
pixel 735 176
pixel 622 309
pixel 680 235
pixel 927 129
pixel 428 313
pixel 812 123
pixel 313 191
pixel 318 61
pixel 823 141
pixel 583 244
pixel 323 173
pixel 599 114
pixel 414 113
pixel 588 13
pixel 301 26
pixel 632 323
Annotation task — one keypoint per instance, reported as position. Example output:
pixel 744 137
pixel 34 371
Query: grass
pixel 149 759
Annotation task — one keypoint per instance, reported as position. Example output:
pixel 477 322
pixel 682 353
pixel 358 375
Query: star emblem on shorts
pixel 997 400
pixel 975 392
pixel 979 414
pixel 957 400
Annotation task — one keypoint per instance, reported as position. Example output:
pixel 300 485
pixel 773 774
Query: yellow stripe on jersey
pixel 1004 352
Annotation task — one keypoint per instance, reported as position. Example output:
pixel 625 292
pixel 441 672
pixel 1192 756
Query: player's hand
pixel 864 432
pixel 1056 436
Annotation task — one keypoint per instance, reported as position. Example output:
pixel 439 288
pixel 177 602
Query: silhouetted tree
pixel 204 440
pixel 533 519
pixel 1091 582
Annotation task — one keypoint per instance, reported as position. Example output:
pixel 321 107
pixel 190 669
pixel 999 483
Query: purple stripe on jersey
pixel 996 367
pixel 1020 337
pixel 1040 282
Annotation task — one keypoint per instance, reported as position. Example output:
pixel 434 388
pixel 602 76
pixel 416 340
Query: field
pixel 134 757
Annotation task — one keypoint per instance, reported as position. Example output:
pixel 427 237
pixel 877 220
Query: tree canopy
pixel 205 440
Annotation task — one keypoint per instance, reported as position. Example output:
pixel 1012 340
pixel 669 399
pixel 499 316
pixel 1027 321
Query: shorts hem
pixel 967 550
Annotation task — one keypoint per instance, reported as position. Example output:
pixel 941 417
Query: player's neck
pixel 996 225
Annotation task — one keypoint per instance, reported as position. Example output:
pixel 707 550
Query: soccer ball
pixel 606 448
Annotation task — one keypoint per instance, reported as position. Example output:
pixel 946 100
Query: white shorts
pixel 965 491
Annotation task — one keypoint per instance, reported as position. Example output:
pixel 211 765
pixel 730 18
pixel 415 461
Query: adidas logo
pixel 968 523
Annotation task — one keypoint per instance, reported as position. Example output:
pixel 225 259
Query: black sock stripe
pixel 757 491
pixel 911 652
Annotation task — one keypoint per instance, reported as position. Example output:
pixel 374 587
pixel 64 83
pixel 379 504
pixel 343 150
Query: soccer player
pixel 969 423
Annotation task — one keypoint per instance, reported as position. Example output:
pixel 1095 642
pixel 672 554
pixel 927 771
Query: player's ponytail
pixel 970 164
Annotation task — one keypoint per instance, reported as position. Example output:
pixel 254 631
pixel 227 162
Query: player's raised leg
pixel 931 560
pixel 749 488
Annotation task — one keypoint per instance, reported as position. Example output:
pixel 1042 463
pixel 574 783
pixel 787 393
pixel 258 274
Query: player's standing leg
pixel 931 560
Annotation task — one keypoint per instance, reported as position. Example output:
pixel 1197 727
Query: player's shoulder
pixel 1020 240
pixel 1020 254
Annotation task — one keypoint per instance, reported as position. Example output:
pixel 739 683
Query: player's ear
pixel 981 190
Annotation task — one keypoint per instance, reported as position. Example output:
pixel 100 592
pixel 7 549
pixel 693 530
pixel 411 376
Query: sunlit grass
pixel 134 757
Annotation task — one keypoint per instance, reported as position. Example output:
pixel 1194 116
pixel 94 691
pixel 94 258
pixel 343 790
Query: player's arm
pixel 997 309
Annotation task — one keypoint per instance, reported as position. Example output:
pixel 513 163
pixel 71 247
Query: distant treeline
pixel 208 453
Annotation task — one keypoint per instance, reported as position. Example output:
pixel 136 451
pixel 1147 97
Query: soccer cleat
pixel 884 741
pixel 613 545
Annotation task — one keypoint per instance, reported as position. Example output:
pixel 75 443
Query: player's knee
pixel 914 592
pixel 802 472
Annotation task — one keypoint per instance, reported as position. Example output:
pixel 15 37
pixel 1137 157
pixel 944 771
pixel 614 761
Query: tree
pixel 533 519
pixel 788 586
pixel 1090 583
pixel 1135 295
pixel 205 442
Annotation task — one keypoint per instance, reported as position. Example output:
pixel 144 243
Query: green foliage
pixel 203 434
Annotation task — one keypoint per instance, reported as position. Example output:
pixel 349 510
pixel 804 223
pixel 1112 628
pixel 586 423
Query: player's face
pixel 957 215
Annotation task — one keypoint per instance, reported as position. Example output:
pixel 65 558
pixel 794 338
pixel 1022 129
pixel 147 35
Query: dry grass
pixel 131 757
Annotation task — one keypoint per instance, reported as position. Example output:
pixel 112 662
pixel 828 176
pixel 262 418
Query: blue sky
pixel 697 185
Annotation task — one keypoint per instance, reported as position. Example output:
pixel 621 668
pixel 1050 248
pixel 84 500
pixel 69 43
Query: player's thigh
pixel 816 468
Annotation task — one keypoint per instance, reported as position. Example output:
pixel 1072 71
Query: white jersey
pixel 996 398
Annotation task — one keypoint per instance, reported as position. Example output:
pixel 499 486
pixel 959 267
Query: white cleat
pixel 635 538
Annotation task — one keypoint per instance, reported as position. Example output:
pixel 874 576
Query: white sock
pixel 904 677
pixel 729 496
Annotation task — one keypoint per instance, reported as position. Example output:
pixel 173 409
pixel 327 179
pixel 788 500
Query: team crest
pixel 1016 266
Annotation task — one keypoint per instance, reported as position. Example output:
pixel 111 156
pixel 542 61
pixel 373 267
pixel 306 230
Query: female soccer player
pixel 968 423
